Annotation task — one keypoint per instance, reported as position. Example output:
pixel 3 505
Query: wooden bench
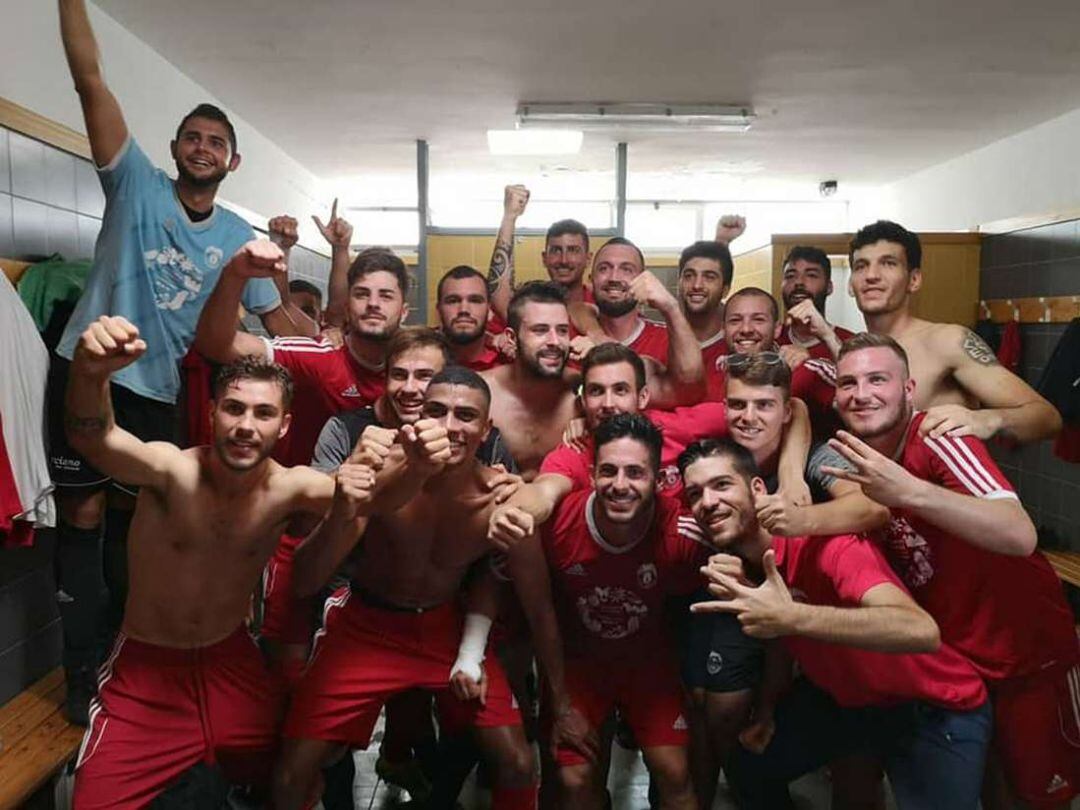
pixel 1066 564
pixel 35 739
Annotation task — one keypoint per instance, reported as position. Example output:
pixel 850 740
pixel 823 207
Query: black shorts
pixel 148 419
pixel 717 655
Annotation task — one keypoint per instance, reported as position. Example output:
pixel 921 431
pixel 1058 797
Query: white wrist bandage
pixel 473 643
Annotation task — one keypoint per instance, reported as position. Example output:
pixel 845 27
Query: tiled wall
pixel 1022 264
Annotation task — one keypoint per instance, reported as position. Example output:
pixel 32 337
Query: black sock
pixel 117 523
pixel 81 591
pixel 338 784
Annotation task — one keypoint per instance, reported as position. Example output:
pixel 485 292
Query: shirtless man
pixel 205 523
pixel 398 625
pixel 958 381
pixel 531 402
pixel 807 282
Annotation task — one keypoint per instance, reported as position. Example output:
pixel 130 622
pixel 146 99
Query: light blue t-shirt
pixel 155 267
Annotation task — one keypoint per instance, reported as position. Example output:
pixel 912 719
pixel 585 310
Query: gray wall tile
pixel 5 162
pixel 89 198
pixel 63 237
pixel 27 605
pixel 7 240
pixel 27 167
pixel 59 179
pixel 30 224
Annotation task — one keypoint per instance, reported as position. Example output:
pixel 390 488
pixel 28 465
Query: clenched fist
pixel 427 445
pixel 352 493
pixel 107 345
pixel 509 525
pixel 259 258
pixel 515 198
pixel 282 231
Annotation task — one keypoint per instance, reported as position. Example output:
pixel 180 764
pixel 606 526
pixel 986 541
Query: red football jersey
pixel 650 339
pixel 326 381
pixel 818 348
pixel 814 382
pixel 714 351
pixel 487 360
pixel 610 599
pixel 1007 614
pixel 837 572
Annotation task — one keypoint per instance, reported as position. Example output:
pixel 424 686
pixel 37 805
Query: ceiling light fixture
pixel 534 141
pixel 647 117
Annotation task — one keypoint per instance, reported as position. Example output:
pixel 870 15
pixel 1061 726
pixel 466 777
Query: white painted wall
pixel 154 95
pixel 1033 173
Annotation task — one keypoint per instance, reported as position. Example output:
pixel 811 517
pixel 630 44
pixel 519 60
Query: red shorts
pixel 287 618
pixel 1037 733
pixel 648 694
pixel 161 710
pixel 365 654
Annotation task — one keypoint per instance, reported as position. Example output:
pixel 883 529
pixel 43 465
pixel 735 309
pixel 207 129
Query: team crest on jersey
pixel 668 478
pixel 350 392
pixel 214 255
pixel 175 278
pixel 714 663
pixel 910 554
pixel 612 612
pixel 646 575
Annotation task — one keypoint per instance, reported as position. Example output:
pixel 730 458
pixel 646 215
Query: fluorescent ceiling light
pixel 648 117
pixel 534 141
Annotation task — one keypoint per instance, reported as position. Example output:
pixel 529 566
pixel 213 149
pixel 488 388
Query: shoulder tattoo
pixel 975 348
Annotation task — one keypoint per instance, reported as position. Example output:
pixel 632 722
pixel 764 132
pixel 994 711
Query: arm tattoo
pixel 85 424
pixel 502 260
pixel 975 348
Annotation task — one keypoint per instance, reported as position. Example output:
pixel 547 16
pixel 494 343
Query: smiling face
pixel 874 394
pixel 543 338
pixel 407 378
pixel 566 257
pixel 701 285
pixel 463 411
pixel 721 499
pixel 625 479
pixel 749 324
pixel 611 389
pixel 247 421
pixel 376 305
pixel 615 267
pixel 756 416
pixel 203 153
pixel 463 309
pixel 803 280
pixel 881 280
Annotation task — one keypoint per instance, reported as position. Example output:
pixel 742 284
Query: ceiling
pixel 862 92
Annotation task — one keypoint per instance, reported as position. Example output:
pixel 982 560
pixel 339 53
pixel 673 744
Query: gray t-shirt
pixel 821 455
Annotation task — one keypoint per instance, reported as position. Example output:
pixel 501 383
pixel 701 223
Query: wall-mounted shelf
pixel 1043 309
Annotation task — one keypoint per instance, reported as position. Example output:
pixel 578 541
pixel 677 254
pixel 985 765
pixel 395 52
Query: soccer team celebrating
pixel 737 537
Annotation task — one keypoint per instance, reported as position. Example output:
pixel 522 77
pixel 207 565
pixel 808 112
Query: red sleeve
pixel 683 549
pixel 855 565
pixel 561 534
pixel 814 382
pixel 568 462
pixel 305 358
pixel 963 465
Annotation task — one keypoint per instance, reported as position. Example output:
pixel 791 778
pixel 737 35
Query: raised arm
pixel 217 336
pixel 338 232
pixel 288 320
pixel 848 511
pixel 683 381
pixel 105 125
pixel 500 278
pixel 886 619
pixel 794 449
pixel 998 524
pixel 1010 407
pixel 526 509
pixel 729 228
pixel 106 346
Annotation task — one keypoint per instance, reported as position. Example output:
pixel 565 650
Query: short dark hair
pixel 540 292
pixel 629 426
pixel 608 354
pixel 716 251
pixel 298 285
pixel 757 370
pixel 214 113
pixel 460 375
pixel 566 227
pixel 887 231
pixel 870 340
pixel 742 459
pixel 622 240
pixel 379 259
pixel 813 255
pixel 407 338
pixel 460 272
pixel 253 367
pixel 746 291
